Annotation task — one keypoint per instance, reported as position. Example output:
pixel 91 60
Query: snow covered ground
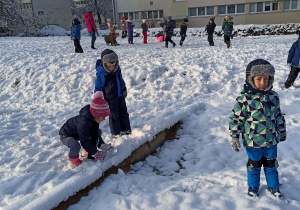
pixel 43 83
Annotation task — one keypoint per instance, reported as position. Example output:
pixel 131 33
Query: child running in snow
pixel 293 62
pixel 109 80
pixel 75 36
pixel 183 29
pixel 258 118
pixel 85 128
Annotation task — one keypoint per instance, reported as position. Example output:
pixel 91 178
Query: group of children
pixel 109 100
pixel 256 116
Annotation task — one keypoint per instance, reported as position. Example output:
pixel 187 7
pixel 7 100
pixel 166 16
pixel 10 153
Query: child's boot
pixel 275 191
pixel 180 43
pixel 73 163
pixel 253 191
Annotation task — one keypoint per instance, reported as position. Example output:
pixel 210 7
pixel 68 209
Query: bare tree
pixel 100 7
pixel 17 20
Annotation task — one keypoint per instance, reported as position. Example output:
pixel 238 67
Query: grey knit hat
pixel 260 67
pixel 109 56
pixel 169 18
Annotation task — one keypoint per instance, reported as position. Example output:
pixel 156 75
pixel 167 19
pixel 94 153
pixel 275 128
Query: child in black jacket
pixel 85 128
pixel 210 28
pixel 183 29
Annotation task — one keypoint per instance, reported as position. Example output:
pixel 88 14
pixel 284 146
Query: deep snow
pixel 43 83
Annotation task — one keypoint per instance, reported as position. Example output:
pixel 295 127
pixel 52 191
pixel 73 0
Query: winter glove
pixel 100 155
pixel 73 38
pixel 235 144
pixel 289 65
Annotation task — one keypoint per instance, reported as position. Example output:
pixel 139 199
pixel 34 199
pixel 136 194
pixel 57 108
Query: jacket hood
pixel 100 67
pixel 85 112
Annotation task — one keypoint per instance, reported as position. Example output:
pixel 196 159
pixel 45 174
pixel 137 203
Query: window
pixel 161 13
pixel 136 16
pixel 263 7
pixel 192 12
pixel 126 15
pixel 26 6
pixel 222 10
pixel 241 8
pixel 155 14
pixel 231 9
pixel 40 12
pixel 201 11
pixel 150 15
pixel 210 11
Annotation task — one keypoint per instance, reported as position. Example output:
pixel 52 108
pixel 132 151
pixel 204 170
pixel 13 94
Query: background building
pixel 53 12
pixel 199 12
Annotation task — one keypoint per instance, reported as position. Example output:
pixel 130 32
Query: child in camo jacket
pixel 258 118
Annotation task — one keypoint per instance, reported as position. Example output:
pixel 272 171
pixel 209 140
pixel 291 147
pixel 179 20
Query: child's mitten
pixel 235 144
pixel 100 155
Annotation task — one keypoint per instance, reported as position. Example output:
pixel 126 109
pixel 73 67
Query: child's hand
pixel 100 155
pixel 289 65
pixel 73 38
pixel 235 144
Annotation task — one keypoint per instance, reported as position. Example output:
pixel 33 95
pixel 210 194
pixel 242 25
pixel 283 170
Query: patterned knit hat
pixel 99 107
pixel 260 67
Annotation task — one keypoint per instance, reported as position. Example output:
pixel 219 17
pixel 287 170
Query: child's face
pixel 111 66
pixel 261 82
pixel 99 119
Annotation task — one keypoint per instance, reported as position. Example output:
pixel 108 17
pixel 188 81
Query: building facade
pixel 53 12
pixel 199 11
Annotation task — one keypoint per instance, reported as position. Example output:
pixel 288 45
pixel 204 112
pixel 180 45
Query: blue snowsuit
pixel 76 27
pixel 114 90
pixel 130 26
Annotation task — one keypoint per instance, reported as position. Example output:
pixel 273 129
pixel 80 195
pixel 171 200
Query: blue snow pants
pixel 118 117
pixel 262 156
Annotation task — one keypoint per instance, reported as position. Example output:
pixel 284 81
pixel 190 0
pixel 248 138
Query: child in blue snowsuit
pixel 258 118
pixel 109 80
pixel 75 35
pixel 130 26
pixel 293 61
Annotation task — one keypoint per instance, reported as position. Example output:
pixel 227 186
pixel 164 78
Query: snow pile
pixel 53 30
pixel 43 83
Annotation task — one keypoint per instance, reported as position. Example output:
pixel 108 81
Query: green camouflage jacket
pixel 258 118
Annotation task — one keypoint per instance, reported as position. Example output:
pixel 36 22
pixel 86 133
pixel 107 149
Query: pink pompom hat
pixel 99 107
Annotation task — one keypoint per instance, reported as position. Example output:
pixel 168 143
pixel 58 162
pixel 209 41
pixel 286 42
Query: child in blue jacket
pixel 75 35
pixel 109 80
pixel 130 26
pixel 85 128
pixel 258 119
pixel 294 62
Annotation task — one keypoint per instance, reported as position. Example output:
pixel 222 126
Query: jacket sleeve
pixel 99 82
pixel 85 138
pixel 93 22
pixel 291 53
pixel 280 121
pixel 238 117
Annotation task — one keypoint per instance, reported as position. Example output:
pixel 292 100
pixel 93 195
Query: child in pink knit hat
pixel 85 128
